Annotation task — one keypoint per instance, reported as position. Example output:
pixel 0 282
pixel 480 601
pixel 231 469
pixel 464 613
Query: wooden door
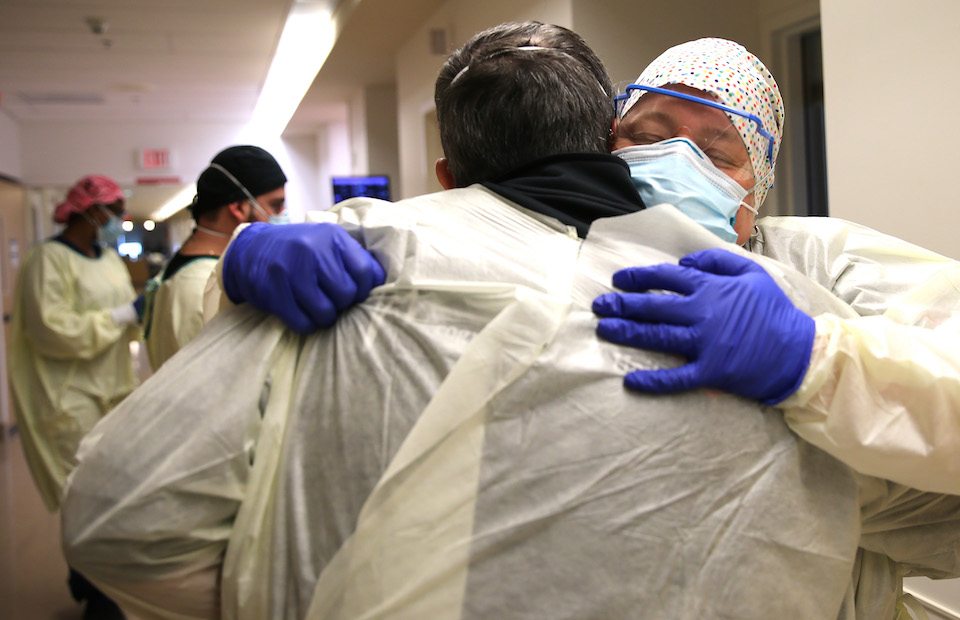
pixel 13 245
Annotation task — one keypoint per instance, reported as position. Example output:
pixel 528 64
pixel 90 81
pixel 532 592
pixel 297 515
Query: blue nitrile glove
pixel 306 274
pixel 138 305
pixel 739 332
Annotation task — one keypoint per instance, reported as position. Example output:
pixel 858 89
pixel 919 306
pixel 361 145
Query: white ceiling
pixel 365 52
pixel 183 60
pixel 155 61
pixel 168 60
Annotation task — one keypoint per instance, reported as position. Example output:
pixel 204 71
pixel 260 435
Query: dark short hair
pixel 502 101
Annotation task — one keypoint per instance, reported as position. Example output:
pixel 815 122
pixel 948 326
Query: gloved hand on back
pixel 306 274
pixel 737 329
pixel 138 306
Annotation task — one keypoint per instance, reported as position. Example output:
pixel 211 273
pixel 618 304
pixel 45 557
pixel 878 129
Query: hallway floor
pixel 33 574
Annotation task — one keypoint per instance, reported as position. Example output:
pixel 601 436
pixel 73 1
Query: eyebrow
pixel 654 115
pixel 727 136
pixel 710 131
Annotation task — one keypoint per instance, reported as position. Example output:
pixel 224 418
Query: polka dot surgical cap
pixel 736 78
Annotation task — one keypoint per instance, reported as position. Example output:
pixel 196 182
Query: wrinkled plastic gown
pixel 883 398
pixel 869 270
pixel 461 446
pixel 882 390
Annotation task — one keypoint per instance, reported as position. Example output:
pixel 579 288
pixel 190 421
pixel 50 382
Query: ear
pixel 443 174
pixel 235 209
pixel 612 136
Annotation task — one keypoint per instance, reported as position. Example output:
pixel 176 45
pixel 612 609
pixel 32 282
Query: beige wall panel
pixel 629 34
pixel 891 89
pixel 417 70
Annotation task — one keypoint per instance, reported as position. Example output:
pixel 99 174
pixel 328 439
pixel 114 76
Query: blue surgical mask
pixel 280 218
pixel 677 172
pixel 111 230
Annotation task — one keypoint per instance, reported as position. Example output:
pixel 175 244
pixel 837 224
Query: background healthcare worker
pixel 877 392
pixel 73 321
pixel 241 184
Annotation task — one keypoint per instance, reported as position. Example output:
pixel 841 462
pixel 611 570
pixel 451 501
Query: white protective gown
pixel 69 360
pixel 174 313
pixel 882 392
pixel 460 445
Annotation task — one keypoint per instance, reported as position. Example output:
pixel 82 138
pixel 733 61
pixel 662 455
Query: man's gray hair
pixel 519 92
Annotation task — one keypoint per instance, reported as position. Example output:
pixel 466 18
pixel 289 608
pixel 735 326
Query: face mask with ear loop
pixel 281 218
pixel 716 216
pixel 109 231
pixel 677 172
pixel 204 229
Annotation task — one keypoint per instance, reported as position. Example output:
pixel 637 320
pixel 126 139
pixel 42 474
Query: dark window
pixel 813 124
pixel 374 186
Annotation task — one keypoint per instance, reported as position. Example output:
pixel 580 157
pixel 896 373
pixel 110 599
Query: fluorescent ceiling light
pixel 182 198
pixel 307 38
pixel 305 43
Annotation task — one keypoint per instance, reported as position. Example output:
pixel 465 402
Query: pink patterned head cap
pixel 736 78
pixel 91 190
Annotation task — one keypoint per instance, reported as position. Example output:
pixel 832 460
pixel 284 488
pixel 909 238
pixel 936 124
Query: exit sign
pixel 153 159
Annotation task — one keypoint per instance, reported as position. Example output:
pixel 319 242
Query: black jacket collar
pixel 574 188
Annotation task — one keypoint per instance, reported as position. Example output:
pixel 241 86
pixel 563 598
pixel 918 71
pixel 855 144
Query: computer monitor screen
pixel 373 186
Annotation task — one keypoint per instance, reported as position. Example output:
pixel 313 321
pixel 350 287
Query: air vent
pixel 438 41
pixel 36 98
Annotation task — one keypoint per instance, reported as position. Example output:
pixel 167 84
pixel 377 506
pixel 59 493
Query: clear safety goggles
pixel 620 102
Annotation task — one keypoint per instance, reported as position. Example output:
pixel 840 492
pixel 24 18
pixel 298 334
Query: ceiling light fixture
pixel 307 38
pixel 305 43
pixel 182 198
pixel 97 25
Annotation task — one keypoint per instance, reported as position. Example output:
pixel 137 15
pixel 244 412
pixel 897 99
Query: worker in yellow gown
pixel 73 320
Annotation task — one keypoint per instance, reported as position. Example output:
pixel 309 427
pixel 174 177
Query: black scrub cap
pixel 252 166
